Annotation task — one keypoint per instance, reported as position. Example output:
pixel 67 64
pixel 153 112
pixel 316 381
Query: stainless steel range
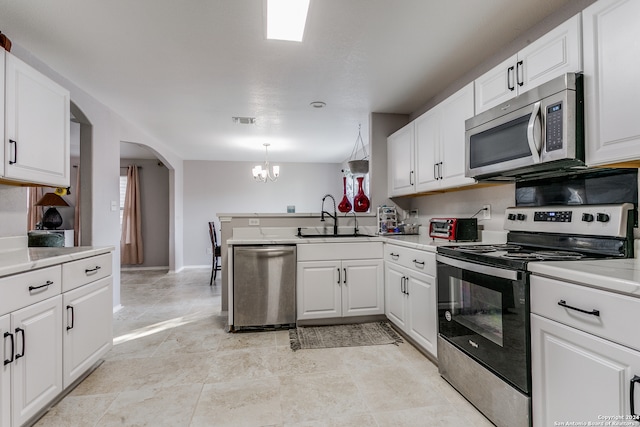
pixel 483 299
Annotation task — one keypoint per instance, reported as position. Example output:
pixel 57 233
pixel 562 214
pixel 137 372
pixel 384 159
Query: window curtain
pixel 76 211
pixel 131 238
pixel 34 213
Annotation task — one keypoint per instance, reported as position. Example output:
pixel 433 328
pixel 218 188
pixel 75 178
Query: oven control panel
pixel 552 216
pixel 595 220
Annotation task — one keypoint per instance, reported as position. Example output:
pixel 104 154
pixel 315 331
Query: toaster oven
pixel 454 229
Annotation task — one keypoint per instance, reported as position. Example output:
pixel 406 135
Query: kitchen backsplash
pixel 466 203
pixel 13 211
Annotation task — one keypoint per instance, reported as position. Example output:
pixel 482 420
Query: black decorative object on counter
pixel 51 219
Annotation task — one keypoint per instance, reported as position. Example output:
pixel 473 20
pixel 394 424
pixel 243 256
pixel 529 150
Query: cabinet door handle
pixel 345 276
pixel 411 178
pixel 435 171
pixel 46 285
pixel 339 276
pixel 440 170
pixel 510 85
pixel 15 152
pixel 402 284
pixel 519 67
pixel 9 334
pixel 564 304
pixel 634 380
pixel 73 317
pixel 406 286
pixel 92 270
pixel 20 330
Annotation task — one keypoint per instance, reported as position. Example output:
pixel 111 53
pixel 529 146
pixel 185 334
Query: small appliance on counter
pixel 388 223
pixel 454 229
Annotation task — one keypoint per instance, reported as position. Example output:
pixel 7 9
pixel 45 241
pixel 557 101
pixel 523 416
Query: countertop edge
pixel 23 260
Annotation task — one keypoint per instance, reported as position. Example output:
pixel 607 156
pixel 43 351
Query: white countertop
pixel 20 260
pixel 617 275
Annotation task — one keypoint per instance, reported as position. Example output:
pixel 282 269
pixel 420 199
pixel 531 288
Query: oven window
pixel 500 144
pixel 477 308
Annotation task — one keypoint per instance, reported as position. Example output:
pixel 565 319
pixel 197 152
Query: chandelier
pixel 263 173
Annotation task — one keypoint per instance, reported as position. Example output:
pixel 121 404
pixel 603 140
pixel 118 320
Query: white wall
pixel 13 211
pixel 228 187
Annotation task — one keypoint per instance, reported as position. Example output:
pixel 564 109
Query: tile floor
pixel 173 364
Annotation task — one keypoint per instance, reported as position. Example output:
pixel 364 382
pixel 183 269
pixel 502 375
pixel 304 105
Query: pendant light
pixel 264 173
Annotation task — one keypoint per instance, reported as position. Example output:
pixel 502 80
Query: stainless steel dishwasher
pixel 264 286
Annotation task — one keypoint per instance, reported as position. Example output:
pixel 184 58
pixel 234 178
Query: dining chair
pixel 216 262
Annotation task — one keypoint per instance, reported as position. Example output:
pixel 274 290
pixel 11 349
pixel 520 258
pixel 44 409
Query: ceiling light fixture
pixel 263 173
pixel 286 19
pixel 318 104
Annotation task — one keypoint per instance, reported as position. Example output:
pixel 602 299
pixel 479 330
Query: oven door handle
pixel 479 268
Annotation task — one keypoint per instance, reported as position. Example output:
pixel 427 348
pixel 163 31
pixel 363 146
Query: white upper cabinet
pixel 36 146
pixel 400 161
pixel 440 141
pixel 3 59
pixel 556 53
pixel 428 153
pixel 612 88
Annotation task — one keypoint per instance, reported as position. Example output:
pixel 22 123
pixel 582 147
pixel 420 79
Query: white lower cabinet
pixel 88 327
pixel 410 294
pixel 580 377
pixel 585 354
pixel 5 371
pixel 36 369
pixel 330 285
pixel 329 289
pixel 51 338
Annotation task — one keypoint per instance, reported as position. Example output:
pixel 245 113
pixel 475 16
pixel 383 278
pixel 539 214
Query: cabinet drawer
pixel 24 289
pixel 618 315
pixel 339 251
pixel 422 261
pixel 83 271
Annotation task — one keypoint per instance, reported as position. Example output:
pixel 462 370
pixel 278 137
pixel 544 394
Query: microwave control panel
pixel 554 127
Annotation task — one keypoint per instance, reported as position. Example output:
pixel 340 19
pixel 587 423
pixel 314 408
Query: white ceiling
pixel 181 69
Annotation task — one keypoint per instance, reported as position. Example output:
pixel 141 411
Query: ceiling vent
pixel 244 120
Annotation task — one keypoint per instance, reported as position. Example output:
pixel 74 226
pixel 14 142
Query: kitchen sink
pixel 332 236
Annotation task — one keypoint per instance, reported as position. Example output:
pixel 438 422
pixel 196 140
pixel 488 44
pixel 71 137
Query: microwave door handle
pixel 534 133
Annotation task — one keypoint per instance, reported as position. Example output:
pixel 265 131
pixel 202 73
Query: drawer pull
pixel 46 285
pixel 564 304
pixel 7 361
pixel 394 256
pixel 18 330
pixel 634 380
pixel 73 317
pixel 420 263
pixel 92 270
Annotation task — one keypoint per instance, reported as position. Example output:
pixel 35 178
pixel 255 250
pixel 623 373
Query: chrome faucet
pixel 334 216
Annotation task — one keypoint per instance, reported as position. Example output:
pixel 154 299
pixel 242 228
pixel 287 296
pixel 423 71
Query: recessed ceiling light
pixel 318 104
pixel 244 120
pixel 286 19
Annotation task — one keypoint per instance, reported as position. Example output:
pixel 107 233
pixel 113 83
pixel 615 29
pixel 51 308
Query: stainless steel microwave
pixel 538 133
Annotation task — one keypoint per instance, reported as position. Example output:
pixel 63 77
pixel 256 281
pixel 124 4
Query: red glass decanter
pixel 360 201
pixel 345 204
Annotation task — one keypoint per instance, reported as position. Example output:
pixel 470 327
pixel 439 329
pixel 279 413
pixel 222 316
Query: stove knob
pixel 587 217
pixel 511 217
pixel 521 217
pixel 602 217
